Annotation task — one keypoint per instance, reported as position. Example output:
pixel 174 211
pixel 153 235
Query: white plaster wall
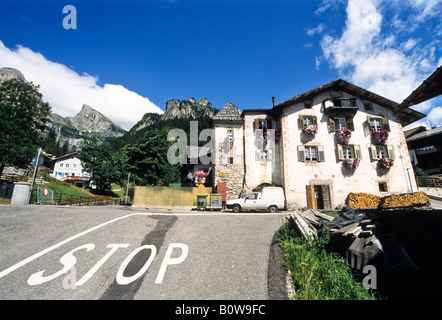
pixel 257 172
pixel 74 167
pixel 364 179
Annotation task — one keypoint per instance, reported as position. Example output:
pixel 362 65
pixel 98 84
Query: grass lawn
pixel 66 190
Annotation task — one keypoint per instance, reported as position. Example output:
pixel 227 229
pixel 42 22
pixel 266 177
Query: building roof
pixel 228 113
pixel 425 138
pixel 405 115
pixel 430 88
pixel 67 156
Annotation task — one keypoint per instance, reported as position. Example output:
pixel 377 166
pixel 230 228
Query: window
pixel 344 102
pixel 305 121
pixel 349 151
pixel 67 165
pixel 368 106
pixel 377 123
pixel 260 124
pixel 74 165
pixel 378 152
pixel 383 187
pixel 61 165
pixel 311 153
pixel 340 123
pixel 381 152
pixel 230 160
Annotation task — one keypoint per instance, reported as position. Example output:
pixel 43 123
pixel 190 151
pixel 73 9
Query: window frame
pixel 355 150
pixel 389 151
pixel 384 123
pixel 320 154
pixel 301 121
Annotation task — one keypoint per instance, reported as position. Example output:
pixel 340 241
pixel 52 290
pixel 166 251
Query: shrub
pixel 318 274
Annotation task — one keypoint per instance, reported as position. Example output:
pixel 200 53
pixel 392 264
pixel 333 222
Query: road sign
pixel 45 195
pixel 34 160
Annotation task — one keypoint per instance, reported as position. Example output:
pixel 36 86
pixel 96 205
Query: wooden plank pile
pixel 363 200
pixel 307 223
pixel 404 200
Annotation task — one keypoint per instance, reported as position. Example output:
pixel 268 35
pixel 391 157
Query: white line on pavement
pixel 43 252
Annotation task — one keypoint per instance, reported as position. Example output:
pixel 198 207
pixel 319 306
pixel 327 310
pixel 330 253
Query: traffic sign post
pixel 45 195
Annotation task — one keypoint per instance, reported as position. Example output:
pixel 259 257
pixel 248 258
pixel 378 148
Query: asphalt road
pixel 49 252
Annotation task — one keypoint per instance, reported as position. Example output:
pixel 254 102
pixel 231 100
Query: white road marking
pixel 55 246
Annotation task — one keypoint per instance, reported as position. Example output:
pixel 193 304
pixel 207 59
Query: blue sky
pixel 129 57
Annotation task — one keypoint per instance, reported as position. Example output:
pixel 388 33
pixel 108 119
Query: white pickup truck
pixel 270 198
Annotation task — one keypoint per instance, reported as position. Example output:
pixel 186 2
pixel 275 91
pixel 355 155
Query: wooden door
pixel 310 193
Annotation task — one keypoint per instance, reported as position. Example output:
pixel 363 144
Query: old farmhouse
pixel 319 146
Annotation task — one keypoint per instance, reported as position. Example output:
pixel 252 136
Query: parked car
pixel 269 198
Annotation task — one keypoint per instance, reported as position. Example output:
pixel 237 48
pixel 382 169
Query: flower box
pixel 351 164
pixel 385 163
pixel 343 135
pixel 379 136
pixel 310 130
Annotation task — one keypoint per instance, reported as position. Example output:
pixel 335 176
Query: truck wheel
pixel 236 208
pixel 273 209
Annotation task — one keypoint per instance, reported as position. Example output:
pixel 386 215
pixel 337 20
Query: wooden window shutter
pixel 385 124
pixel 349 124
pixel 368 124
pixel 332 124
pixel 340 152
pixel 358 153
pixel 256 124
pixel 301 122
pixel 301 153
pixel 321 157
pixel 315 120
pixel 390 152
pixel 374 154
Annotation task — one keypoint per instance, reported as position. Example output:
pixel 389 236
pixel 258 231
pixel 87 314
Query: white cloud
pixel 312 31
pixel 66 91
pixel 372 58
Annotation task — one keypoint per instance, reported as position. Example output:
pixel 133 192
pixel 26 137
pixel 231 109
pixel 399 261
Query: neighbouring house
pixel 425 144
pixel 319 146
pixel 68 168
pixel 425 147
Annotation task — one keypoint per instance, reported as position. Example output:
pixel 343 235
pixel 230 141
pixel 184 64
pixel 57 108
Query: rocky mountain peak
pixel 91 120
pixel 188 109
pixel 11 73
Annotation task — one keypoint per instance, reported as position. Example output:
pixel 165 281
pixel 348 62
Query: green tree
pixel 23 116
pixel 105 168
pixel 148 160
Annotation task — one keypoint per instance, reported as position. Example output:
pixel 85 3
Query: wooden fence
pixel 87 201
pixel 429 182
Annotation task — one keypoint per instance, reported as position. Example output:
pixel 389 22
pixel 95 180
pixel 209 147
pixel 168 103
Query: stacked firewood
pixel 361 200
pixel 404 200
